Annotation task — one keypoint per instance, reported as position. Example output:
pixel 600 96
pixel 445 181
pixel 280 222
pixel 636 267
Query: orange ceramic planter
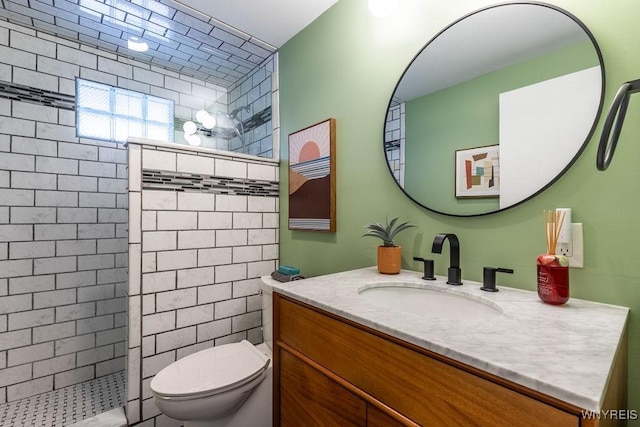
pixel 389 259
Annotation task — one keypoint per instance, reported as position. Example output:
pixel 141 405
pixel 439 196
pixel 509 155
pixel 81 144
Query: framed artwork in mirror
pixel 312 177
pixel 478 172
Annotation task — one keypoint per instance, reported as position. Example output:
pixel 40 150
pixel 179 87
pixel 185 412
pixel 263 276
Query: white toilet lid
pixel 216 369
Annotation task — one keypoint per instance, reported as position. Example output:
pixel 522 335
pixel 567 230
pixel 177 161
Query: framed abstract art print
pixel 312 177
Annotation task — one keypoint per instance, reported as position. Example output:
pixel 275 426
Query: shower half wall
pixel 203 228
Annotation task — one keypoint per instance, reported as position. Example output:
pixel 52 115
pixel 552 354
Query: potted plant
pixel 389 254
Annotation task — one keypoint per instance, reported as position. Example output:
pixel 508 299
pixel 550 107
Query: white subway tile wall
pixel 394 141
pixel 256 93
pixel 63 218
pixel 200 270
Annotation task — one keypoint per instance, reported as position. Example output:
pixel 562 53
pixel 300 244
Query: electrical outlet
pixel 565 249
pixel 576 259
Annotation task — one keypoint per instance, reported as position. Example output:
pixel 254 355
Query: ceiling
pixel 286 17
pixel 220 49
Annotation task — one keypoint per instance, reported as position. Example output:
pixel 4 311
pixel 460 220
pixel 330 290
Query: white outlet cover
pixel 577 258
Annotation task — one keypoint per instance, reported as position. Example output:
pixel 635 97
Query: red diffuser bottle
pixel 553 279
pixel 553 270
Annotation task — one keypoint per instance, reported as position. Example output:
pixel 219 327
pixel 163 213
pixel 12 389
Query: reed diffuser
pixel 553 270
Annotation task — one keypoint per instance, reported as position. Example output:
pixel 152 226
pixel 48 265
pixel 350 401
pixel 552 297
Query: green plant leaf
pixel 387 231
pixel 377 227
pixel 399 228
pixel 374 233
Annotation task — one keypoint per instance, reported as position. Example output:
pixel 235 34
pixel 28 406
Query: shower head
pixel 235 112
pixel 226 121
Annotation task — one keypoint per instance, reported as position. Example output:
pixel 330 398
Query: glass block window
pixel 114 114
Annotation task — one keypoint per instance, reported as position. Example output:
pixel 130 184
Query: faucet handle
pixel 489 278
pixel 428 268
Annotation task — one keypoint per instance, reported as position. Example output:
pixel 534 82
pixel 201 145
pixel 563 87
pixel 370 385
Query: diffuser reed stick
pixel 552 226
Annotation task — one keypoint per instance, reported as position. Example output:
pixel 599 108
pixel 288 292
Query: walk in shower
pixel 64 306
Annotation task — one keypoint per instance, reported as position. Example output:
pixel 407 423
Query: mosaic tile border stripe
pixel 257 119
pixel 34 95
pixel 176 181
pixel 392 145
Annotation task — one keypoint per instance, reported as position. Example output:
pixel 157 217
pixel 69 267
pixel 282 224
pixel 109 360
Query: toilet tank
pixel 266 291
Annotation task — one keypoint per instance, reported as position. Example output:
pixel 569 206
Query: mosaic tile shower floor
pixel 67 405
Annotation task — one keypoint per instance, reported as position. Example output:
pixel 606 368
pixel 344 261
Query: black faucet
pixel 428 268
pixel 489 277
pixel 454 274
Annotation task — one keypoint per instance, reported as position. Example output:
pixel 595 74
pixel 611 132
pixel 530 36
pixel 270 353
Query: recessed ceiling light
pixel 134 43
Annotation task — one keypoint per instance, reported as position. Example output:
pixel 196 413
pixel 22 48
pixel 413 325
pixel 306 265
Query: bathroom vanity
pixel 342 358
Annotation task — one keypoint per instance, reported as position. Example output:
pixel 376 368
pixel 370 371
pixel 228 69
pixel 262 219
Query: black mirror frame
pixel 578 153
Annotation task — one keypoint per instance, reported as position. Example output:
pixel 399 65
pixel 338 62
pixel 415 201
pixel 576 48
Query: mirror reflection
pixel 494 109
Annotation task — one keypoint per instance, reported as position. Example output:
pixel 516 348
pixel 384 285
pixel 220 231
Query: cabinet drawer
pixel 306 394
pixel 422 388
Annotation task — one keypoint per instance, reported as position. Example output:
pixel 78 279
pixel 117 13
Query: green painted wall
pixel 466 116
pixel 346 64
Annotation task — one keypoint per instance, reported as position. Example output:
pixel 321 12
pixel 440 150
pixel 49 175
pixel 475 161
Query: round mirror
pixel 494 109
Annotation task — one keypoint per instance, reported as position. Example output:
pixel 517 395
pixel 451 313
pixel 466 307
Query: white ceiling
pixel 272 21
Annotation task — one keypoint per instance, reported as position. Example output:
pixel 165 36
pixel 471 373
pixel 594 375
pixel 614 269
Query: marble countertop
pixel 566 352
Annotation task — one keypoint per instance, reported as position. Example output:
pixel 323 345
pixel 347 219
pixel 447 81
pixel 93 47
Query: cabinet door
pixel 308 398
pixel 377 418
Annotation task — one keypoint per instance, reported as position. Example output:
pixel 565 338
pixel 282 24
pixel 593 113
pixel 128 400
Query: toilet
pixel 224 386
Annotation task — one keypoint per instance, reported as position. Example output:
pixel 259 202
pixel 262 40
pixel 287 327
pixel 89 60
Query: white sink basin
pixel 430 303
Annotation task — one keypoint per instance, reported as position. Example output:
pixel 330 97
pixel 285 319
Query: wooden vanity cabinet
pixel 329 371
pixel 315 398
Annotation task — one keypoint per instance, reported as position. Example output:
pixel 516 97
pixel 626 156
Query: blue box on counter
pixel 285 269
